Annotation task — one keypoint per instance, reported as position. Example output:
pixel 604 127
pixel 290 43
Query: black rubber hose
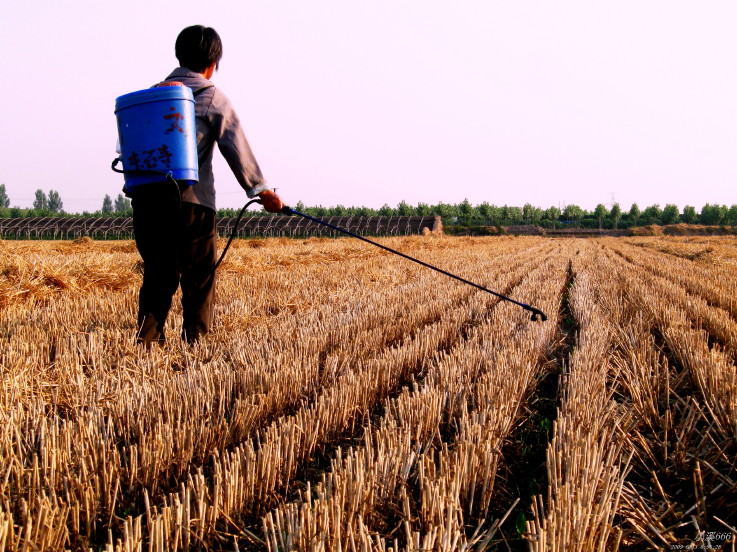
pixel 234 232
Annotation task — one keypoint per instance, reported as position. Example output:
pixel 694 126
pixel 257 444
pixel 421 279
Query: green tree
pixel 600 214
pixel 122 204
pixel 319 211
pixel 652 214
pixel 362 211
pixel 573 213
pixel 385 210
pixel 616 215
pixel 4 199
pixel 708 215
pixel 634 214
pixel 732 216
pixel 527 209
pixel 484 211
pixel 713 214
pixel 552 215
pixel 404 209
pixel 515 215
pixel 670 214
pixel 466 211
pixel 495 214
pixel 107 205
pixel 689 214
pixel 531 214
pixel 445 210
pixel 41 203
pixel 55 204
pixel 423 209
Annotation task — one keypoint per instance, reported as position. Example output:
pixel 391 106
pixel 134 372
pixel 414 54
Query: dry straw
pixel 347 400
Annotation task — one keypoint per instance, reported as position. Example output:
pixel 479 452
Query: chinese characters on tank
pixel 150 158
pixel 174 119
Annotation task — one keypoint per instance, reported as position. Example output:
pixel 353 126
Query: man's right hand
pixel 271 202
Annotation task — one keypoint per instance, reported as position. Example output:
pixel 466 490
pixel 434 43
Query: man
pixel 175 229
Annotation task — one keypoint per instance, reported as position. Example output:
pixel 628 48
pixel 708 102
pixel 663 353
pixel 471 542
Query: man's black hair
pixel 199 47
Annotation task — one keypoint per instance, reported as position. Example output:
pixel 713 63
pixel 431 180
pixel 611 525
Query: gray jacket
pixel 217 122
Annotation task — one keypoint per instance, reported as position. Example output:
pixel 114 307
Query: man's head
pixel 199 47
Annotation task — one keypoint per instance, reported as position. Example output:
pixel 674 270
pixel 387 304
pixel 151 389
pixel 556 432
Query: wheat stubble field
pixel 351 400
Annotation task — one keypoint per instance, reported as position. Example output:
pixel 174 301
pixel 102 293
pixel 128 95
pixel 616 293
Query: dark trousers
pixel 178 244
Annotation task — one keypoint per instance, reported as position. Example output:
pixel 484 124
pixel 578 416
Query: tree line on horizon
pixel 486 214
pixel 461 214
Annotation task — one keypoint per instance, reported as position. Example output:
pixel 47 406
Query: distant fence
pixel 114 228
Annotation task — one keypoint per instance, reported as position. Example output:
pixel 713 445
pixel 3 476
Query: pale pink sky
pixel 366 103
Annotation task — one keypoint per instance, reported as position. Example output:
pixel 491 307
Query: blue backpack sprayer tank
pixel 157 137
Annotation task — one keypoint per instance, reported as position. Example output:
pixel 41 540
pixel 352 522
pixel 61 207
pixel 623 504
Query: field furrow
pixel 586 459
